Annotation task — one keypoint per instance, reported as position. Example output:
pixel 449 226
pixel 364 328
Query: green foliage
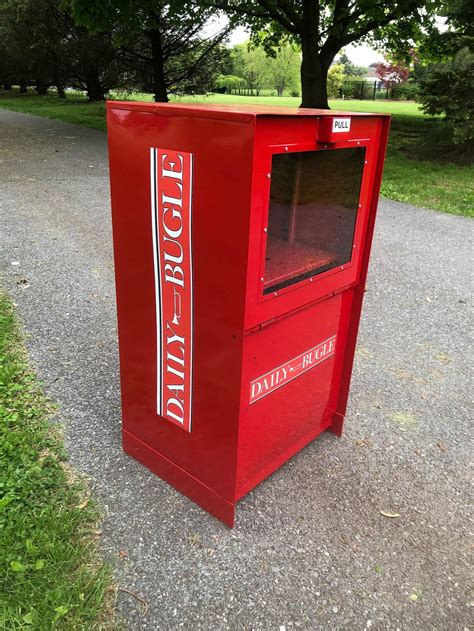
pixel 259 67
pixel 284 69
pixel 50 576
pixel 163 44
pixel 252 64
pixel 407 91
pixel 457 32
pixel 335 79
pixel 321 28
pixel 351 70
pixel 230 82
pixel 40 45
pixel 445 70
pixel 447 88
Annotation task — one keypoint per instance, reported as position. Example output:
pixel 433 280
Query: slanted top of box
pixel 228 112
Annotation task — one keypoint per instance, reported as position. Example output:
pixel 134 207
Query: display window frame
pixel 293 214
pixel 263 308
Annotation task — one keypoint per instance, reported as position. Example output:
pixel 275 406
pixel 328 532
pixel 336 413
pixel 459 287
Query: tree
pixel 160 39
pixel 323 27
pixel 252 65
pixel 335 80
pixel 350 69
pixel 392 73
pixel 447 88
pixel 25 40
pixel 230 82
pixel 283 69
pixel 457 32
pixel 91 62
pixel 43 47
pixel 445 70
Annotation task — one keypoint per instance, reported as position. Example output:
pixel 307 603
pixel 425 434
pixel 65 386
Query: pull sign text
pixel 341 125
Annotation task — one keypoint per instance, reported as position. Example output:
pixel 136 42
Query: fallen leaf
pixel 83 504
pixel 391 515
pixel 415 595
pixel 122 554
pixel 441 446
pixel 404 420
pixel 363 442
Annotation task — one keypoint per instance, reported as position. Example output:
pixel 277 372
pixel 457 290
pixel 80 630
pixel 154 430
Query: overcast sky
pixel 359 55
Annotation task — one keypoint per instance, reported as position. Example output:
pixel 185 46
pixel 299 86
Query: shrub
pixel 447 88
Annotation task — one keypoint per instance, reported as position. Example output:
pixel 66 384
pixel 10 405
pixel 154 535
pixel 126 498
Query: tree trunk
pixel 314 91
pixel 41 88
pixel 57 81
pixel 23 87
pixel 7 86
pixel 314 70
pixel 157 61
pixel 95 89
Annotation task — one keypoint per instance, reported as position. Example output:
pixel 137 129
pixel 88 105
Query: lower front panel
pixel 290 386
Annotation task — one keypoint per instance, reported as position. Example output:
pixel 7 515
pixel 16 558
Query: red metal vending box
pixel 242 239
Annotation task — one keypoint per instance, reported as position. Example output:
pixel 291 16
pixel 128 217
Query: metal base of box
pixel 198 492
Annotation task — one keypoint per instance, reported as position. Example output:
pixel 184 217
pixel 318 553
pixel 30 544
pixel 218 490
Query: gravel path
pixel 311 549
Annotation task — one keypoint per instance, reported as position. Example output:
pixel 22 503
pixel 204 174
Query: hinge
pixel 267 323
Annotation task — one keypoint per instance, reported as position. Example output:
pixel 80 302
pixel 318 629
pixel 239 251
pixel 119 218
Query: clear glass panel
pixel 314 197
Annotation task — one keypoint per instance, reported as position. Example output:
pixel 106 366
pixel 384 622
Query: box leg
pixel 337 424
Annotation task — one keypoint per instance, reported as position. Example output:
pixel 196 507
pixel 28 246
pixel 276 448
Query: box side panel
pixel 380 139
pixel 222 162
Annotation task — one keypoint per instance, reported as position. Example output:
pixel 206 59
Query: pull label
pixel 341 125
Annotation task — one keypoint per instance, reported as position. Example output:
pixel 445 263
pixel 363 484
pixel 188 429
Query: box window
pixel 314 199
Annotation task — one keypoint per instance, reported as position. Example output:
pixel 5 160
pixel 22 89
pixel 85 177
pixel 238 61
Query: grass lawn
pixel 420 169
pixel 51 576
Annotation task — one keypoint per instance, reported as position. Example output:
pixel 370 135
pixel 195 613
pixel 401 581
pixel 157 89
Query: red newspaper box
pixel 242 239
